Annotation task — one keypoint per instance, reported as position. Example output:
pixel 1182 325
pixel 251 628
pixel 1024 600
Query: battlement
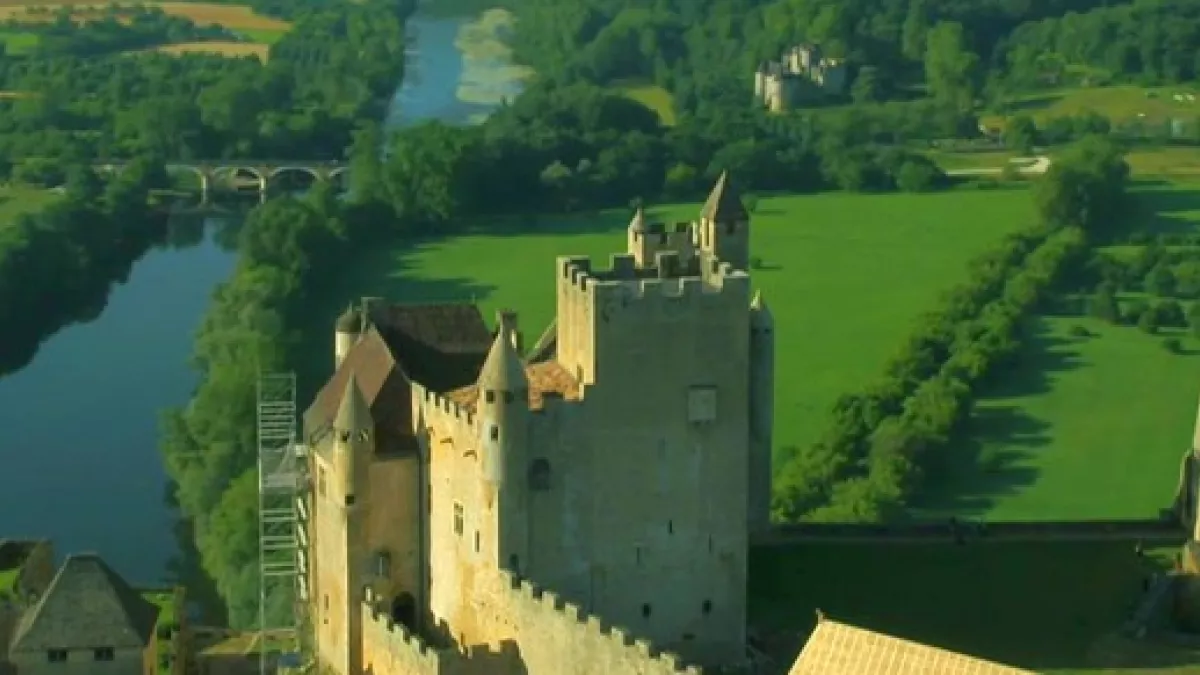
pixel 400 644
pixel 432 401
pixel 670 277
pixel 661 227
pixel 543 607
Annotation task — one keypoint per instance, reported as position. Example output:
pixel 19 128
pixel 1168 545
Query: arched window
pixel 539 474
pixel 404 610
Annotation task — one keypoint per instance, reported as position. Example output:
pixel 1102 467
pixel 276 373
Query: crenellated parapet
pixel 441 411
pixel 393 644
pixel 597 642
pixel 623 283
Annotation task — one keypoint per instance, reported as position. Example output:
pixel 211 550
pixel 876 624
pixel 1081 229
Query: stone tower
pixel 762 411
pixel 340 532
pixel 724 227
pixel 504 428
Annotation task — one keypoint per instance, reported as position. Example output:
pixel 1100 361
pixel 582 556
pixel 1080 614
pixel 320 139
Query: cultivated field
pixel 652 96
pixel 1045 606
pixel 846 275
pixel 1083 427
pixel 233 17
pixel 229 49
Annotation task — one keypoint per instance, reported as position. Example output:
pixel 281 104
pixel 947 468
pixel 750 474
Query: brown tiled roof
pixel 544 378
pixel 839 649
pixel 382 384
pixel 449 329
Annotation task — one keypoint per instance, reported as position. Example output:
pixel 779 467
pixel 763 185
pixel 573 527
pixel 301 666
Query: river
pixel 81 464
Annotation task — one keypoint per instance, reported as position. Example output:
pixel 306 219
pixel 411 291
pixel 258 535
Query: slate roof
pixel 724 202
pixel 88 605
pixel 840 649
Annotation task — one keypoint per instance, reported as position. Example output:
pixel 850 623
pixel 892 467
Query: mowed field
pixel 228 49
pixel 1083 426
pixel 846 276
pixel 1050 607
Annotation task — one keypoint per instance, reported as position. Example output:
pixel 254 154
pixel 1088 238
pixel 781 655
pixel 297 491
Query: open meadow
pixel 846 276
pixel 1119 103
pixel 1085 425
pixel 650 95
pixel 227 49
pixel 1046 606
pixel 17 199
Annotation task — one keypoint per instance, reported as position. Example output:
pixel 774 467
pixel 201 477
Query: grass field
pixel 1180 162
pixel 1046 606
pixel 652 96
pixel 229 49
pixel 846 276
pixel 17 43
pixel 1083 427
pixel 17 199
pixel 1118 103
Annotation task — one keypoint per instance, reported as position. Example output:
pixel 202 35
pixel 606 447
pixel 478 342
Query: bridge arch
pixel 236 175
pixel 278 171
pixel 200 174
pixel 340 177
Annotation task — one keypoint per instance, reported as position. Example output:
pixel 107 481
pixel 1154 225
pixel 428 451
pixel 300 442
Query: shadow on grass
pixel 614 220
pixel 1033 103
pixel 992 459
pixel 1036 605
pixel 1162 209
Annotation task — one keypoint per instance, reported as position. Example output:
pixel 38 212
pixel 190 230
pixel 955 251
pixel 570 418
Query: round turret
pixel 503 399
pixel 638 222
pixel 352 438
pixel 347 330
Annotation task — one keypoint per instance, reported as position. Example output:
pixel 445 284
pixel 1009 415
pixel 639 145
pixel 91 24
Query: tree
pixel 1193 317
pixel 916 26
pixel 867 86
pixel 1020 134
pixel 951 69
pixel 1148 322
pixel 1103 304
pixel 1161 280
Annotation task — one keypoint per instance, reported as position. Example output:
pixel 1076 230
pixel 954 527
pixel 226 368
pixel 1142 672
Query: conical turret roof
pixel 724 203
pixel 759 311
pixel 503 370
pixel 638 222
pixel 354 414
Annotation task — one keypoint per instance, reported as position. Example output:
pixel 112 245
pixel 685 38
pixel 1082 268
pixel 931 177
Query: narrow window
pixel 383 564
pixel 326 602
pixel 670 527
pixel 56 656
pixel 349 500
pixel 103 654
pixel 477 541
pixel 490 396
pixel 321 481
pixel 508 397
pixel 706 607
pixel 515 563
pixel 646 611
pixel 494 433
pixel 458 519
pixel 637 552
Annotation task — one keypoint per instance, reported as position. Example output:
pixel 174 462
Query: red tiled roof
pixel 545 378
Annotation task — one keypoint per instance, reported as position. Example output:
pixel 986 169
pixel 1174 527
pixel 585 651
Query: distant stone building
pixel 802 76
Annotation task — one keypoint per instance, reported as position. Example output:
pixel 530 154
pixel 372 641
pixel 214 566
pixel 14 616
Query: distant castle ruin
pixel 802 75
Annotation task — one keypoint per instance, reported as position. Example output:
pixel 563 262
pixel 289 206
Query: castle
pixel 482 507
pixel 803 75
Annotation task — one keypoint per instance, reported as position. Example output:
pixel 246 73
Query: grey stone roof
pixel 88 605
pixel 724 203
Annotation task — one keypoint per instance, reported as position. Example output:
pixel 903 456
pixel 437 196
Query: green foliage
pixel 1084 187
pixel 1103 304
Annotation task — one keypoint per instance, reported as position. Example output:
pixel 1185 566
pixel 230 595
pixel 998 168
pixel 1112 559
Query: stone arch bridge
pixel 240 172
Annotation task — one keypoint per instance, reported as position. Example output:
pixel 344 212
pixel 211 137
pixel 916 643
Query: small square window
pixel 56 656
pixel 494 433
pixel 103 654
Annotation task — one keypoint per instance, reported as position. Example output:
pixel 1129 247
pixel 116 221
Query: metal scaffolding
pixel 281 476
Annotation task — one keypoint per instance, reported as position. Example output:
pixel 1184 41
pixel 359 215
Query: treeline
pixel 882 444
pixel 1153 41
pixel 58 264
pixel 114 29
pixel 285 248
pixel 334 68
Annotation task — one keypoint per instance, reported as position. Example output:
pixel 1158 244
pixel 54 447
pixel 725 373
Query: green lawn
pixel 652 96
pixel 846 276
pixel 1083 427
pixel 266 36
pixel 1041 606
pixel 18 199
pixel 18 42
pixel 1123 102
